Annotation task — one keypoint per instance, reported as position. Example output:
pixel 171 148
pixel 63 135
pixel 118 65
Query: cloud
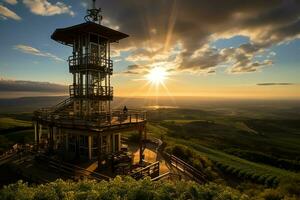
pixel 7 13
pixel 84 4
pixel 12 2
pixel 197 24
pixel 30 86
pixel 270 84
pixel 45 8
pixel 110 24
pixel 136 69
pixel 36 52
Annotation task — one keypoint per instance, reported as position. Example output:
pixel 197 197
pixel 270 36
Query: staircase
pixel 62 105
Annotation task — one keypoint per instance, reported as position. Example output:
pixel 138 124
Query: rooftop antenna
pixel 93 15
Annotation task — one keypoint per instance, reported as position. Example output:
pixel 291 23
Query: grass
pixel 226 159
pixel 238 163
pixel 208 133
pixel 15 129
pixel 213 134
pixel 8 123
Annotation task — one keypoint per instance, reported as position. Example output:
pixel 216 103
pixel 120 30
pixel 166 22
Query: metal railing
pixel 90 91
pixel 116 117
pixel 62 104
pixel 150 170
pixel 187 169
pixel 90 61
pixel 8 154
pixel 73 171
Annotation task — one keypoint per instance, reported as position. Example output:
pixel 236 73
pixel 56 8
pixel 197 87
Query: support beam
pixel 51 139
pixel 90 147
pixel 35 131
pixel 141 146
pixel 99 151
pixel 113 143
pixel 40 132
pixel 120 145
pixel 77 148
pixel 67 142
pixel 37 141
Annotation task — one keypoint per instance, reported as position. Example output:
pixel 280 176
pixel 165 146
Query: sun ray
pixel 157 75
pixel 171 24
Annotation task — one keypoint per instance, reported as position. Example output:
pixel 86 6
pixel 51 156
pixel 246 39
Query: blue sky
pixel 46 60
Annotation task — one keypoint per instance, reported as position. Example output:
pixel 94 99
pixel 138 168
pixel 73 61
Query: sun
pixel 157 75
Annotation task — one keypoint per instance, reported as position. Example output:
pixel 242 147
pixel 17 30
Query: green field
pixel 8 123
pixel 15 128
pixel 231 149
pixel 264 151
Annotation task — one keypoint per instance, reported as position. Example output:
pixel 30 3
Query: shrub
pixel 119 188
pixel 270 181
pixel 261 179
pixel 291 187
pixel 271 194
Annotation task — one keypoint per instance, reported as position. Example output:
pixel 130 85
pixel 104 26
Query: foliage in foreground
pixel 120 188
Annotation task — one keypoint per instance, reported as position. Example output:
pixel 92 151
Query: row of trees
pixel 248 174
pixel 292 165
pixel 203 163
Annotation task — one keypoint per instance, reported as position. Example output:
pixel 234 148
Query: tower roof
pixel 66 35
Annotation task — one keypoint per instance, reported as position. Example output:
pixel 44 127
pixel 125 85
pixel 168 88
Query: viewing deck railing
pixel 91 91
pixel 90 61
pixel 95 120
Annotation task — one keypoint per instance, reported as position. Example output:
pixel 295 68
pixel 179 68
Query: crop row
pixel 248 174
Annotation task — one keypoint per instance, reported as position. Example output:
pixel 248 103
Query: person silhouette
pixel 125 110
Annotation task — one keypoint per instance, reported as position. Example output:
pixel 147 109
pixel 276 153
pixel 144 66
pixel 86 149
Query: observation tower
pixel 84 126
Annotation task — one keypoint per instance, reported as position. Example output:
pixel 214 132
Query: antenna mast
pixel 93 15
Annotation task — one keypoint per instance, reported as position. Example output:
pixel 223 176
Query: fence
pixel 187 169
pixel 151 171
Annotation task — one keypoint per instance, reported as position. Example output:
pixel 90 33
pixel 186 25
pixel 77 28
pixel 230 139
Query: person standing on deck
pixel 125 110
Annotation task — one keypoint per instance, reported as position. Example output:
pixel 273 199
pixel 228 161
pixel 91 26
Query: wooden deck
pixel 97 123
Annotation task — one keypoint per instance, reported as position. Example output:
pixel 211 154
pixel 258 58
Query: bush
pixel 291 187
pixel 119 188
pixel 271 194
pixel 261 179
pixel 270 181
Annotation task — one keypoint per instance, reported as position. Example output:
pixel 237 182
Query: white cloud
pixel 108 23
pixel 45 8
pixel 36 52
pixel 7 13
pixel 84 4
pixel 12 2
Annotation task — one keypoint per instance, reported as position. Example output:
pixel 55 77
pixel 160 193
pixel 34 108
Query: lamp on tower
pixel 94 14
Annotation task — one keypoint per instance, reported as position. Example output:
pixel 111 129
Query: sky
pixel 211 48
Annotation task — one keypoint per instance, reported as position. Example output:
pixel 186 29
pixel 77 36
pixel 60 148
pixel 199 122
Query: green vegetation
pixel 9 123
pixel 128 188
pixel 15 128
pixel 118 188
pixel 259 157
pixel 256 152
pixel 236 149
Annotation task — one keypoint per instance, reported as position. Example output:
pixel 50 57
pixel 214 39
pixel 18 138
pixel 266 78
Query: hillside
pixel 254 151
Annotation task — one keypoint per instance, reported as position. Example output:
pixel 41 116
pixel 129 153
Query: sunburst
pixel 157 76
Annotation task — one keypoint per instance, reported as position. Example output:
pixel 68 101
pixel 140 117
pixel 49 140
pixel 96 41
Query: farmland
pixel 263 151
pixel 248 149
